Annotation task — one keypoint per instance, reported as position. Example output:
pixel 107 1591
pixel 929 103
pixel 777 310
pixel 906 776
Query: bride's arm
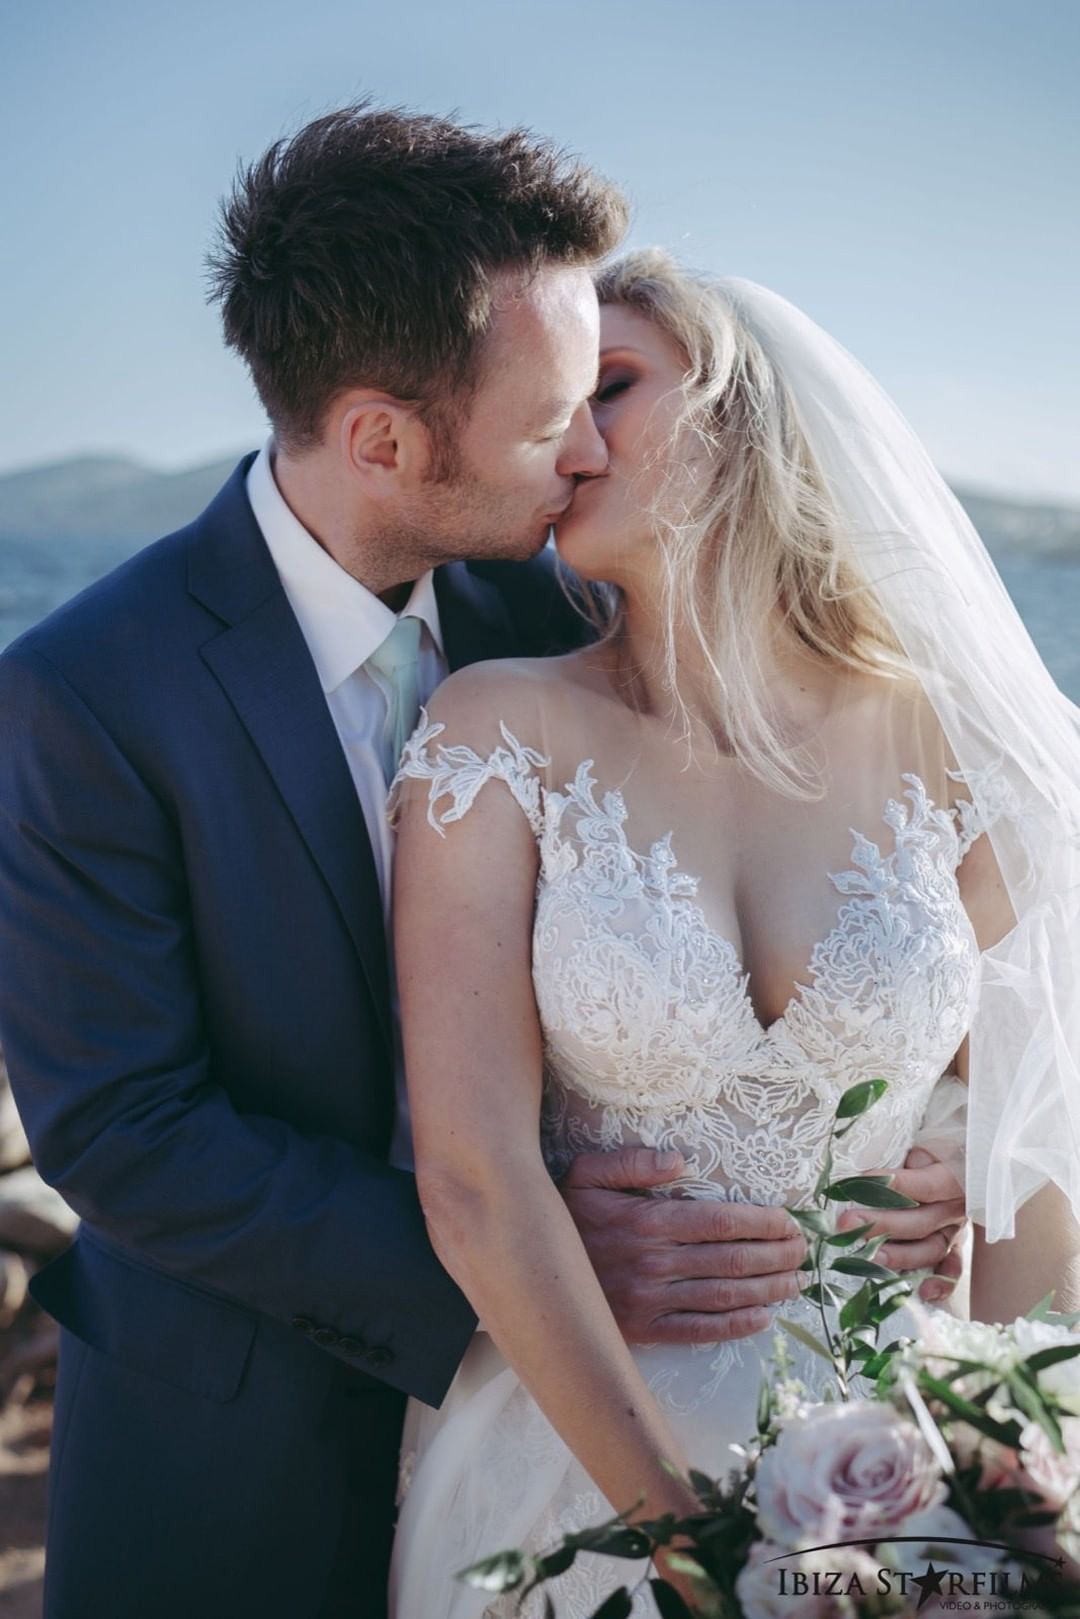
pixel 1009 1276
pixel 463 910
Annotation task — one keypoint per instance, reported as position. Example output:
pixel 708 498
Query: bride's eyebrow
pixel 621 348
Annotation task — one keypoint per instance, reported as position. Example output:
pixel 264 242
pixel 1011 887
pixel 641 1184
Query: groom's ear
pixel 384 443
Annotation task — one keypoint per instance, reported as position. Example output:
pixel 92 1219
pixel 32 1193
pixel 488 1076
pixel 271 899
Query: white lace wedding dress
pixel 651 1037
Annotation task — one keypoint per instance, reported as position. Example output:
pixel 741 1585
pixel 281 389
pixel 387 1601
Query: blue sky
pixel 906 170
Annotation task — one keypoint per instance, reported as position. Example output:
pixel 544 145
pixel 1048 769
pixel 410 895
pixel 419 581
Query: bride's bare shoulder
pixel 899 695
pixel 510 690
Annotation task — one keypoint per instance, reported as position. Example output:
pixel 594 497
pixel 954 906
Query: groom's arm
pixel 102 1026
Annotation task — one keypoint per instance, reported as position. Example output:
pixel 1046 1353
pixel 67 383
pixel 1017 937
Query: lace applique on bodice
pixel 649 1030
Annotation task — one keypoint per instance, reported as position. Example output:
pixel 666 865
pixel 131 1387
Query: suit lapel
pixel 473 618
pixel 263 664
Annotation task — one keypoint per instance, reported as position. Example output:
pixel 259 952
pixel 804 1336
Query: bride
pixel 805 813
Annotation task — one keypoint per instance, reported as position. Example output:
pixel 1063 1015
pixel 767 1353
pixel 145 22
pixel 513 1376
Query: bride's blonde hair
pixel 747 533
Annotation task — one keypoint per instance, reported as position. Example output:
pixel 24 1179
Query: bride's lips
pixel 568 509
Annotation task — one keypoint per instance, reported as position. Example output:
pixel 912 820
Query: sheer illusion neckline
pixel 459 772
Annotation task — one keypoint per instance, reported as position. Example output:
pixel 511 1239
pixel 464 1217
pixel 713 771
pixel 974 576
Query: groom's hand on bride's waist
pixel 925 1238
pixel 679 1270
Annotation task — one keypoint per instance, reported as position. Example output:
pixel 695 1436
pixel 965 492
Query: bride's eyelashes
pixel 610 390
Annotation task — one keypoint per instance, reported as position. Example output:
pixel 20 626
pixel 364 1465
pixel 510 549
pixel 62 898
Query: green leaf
pixel 503 1572
pixel 858 1098
pixel 852 1265
pixel 1007 1433
pixel 857 1309
pixel 963 1368
pixel 882 1309
pixel 870 1248
pixel 807 1339
pixel 872 1190
pixel 680 1563
pixel 1057 1318
pixel 703 1486
pixel 556 1562
pixel 764 1406
pixel 669 1603
pixel 617 1606
pixel 617 1540
pixel 701 1528
pixel 811 1220
pixel 1050 1357
pixel 847 1239
pixel 1032 1404
pixel 823 1175
pixel 823 1293
pixel 660 1530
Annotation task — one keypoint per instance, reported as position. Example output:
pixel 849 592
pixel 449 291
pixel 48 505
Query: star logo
pixel 929 1584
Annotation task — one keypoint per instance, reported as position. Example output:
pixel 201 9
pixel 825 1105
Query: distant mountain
pixel 117 504
pixel 104 497
pixel 1023 527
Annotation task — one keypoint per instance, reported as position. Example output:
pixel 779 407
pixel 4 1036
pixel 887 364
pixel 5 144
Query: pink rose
pixel 845 1472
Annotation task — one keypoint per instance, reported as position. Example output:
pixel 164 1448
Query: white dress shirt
pixel 343 623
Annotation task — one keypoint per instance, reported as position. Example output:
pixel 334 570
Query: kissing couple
pixel 750 787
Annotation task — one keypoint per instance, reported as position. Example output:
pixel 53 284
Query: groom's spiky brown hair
pixel 361 252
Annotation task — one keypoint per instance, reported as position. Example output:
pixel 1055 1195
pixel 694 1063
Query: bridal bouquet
pixel 944 1477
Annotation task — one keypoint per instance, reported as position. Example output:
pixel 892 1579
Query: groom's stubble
pixel 460 518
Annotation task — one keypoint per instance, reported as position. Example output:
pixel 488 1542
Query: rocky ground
pixel 34 1224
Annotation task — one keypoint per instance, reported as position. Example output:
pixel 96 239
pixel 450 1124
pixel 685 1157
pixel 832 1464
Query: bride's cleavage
pixel 746 924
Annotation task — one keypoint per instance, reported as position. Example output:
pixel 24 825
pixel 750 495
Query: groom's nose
pixel 583 453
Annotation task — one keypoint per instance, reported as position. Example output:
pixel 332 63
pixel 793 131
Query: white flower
pixel 1055 1476
pixel 1031 1336
pixel 845 1471
pixel 769 1586
pixel 941 1533
pixel 762 1587
pixel 938 1528
pixel 943 1339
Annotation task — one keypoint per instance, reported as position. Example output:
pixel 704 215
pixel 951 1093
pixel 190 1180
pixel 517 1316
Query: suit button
pixel 352 1346
pixel 302 1323
pixel 324 1335
pixel 379 1355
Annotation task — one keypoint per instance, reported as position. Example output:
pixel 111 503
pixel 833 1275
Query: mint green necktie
pixel 396 661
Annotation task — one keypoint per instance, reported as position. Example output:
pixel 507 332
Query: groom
pixel 196 992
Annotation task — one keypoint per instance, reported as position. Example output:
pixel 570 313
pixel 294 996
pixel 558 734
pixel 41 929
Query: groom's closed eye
pixel 555 421
pixel 561 411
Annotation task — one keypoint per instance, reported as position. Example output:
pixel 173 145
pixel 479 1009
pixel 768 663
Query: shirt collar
pixel 342 621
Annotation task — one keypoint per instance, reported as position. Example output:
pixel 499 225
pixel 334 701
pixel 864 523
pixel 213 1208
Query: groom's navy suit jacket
pixel 194 1002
